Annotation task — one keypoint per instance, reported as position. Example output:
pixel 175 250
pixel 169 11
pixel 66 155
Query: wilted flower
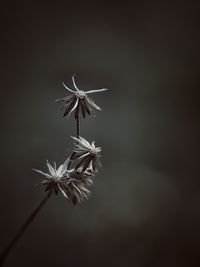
pixel 87 154
pixel 77 186
pixel 71 183
pixel 79 101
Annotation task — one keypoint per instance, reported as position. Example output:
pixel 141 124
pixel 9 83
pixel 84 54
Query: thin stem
pixel 77 134
pixel 78 126
pixel 13 242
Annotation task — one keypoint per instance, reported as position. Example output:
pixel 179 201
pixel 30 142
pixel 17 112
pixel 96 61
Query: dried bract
pixel 79 102
pixel 71 183
pixel 87 155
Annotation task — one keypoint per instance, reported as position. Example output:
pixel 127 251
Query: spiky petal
pixel 87 154
pixel 72 184
pixel 79 102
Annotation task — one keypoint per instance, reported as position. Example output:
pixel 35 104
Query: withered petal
pixel 77 110
pixel 69 108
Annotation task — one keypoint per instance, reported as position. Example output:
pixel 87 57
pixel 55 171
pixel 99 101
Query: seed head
pixel 87 155
pixel 71 183
pixel 79 102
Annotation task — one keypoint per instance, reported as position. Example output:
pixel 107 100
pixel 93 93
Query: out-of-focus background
pixel 144 209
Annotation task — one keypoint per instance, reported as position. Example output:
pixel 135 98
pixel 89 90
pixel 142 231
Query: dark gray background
pixel 144 209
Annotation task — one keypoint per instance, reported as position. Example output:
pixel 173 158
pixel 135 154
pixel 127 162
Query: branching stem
pixel 13 242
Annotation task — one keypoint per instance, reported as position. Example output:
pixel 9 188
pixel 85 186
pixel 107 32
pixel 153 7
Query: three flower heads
pixel 74 177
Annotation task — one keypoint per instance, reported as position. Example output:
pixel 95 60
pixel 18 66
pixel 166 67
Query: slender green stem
pixel 13 242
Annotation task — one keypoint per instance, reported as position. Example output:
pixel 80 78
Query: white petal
pixel 82 143
pixel 71 170
pixel 75 86
pixel 68 88
pixel 99 162
pixel 63 192
pixel 44 173
pixel 59 171
pixel 73 108
pixel 98 149
pixel 84 189
pixel 77 189
pixel 84 155
pixel 65 165
pixel 96 91
pixel 85 142
pixel 75 138
pixel 51 169
pixel 91 102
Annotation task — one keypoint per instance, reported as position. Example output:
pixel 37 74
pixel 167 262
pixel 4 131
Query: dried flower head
pixel 86 154
pixel 71 183
pixel 79 101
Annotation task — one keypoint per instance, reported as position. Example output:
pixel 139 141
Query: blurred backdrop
pixel 144 209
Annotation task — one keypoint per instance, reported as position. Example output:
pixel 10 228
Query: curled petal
pixel 96 91
pixel 68 88
pixel 73 80
pixel 44 173
pixel 70 106
pixel 76 103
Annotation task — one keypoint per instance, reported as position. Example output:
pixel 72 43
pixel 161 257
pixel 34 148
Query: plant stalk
pixel 78 126
pixel 14 241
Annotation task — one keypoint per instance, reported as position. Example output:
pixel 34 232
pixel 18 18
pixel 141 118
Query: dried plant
pixel 73 183
pixel 87 154
pixel 79 102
